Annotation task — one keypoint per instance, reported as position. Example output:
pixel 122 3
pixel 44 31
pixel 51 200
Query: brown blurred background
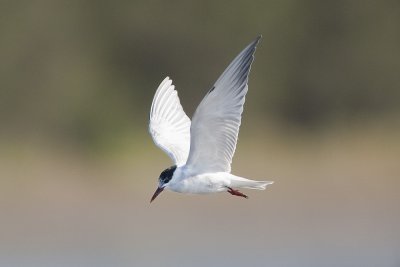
pixel 322 119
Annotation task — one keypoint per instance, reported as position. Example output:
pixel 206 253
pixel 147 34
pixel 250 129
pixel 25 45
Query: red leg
pixel 236 192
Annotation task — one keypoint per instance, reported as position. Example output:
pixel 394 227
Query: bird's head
pixel 163 181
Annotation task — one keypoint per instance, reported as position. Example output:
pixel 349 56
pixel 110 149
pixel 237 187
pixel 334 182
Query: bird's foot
pixel 236 192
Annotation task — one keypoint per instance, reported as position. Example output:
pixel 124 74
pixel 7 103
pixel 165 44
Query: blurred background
pixel 322 119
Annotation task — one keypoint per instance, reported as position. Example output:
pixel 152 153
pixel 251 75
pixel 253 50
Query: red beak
pixel 158 191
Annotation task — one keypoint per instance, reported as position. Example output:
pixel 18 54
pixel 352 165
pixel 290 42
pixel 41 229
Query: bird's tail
pixel 240 182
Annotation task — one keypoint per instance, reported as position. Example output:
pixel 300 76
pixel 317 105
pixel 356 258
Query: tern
pixel 202 149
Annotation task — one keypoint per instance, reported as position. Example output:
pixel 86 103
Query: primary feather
pixel 215 125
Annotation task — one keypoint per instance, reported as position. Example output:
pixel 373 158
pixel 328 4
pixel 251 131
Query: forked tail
pixel 240 182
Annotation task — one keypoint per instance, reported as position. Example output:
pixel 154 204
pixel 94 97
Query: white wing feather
pixel 169 126
pixel 216 122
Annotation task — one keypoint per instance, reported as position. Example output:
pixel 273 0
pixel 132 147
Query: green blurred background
pixel 322 119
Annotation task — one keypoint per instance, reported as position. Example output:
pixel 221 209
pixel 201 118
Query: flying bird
pixel 202 149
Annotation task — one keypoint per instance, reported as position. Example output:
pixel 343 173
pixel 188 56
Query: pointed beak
pixel 158 191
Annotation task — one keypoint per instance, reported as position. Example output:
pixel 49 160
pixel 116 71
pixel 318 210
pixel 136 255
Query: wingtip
pixel 257 40
pixel 165 80
pixel 253 45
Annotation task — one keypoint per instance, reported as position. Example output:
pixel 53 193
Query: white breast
pixel 201 184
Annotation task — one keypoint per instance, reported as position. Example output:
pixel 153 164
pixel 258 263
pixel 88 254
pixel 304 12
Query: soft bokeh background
pixel 77 167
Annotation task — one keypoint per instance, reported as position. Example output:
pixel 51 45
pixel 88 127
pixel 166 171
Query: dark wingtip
pixel 257 40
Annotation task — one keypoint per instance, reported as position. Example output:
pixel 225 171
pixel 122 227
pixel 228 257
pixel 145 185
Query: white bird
pixel 202 150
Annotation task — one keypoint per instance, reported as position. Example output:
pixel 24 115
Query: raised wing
pixel 216 122
pixel 169 126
